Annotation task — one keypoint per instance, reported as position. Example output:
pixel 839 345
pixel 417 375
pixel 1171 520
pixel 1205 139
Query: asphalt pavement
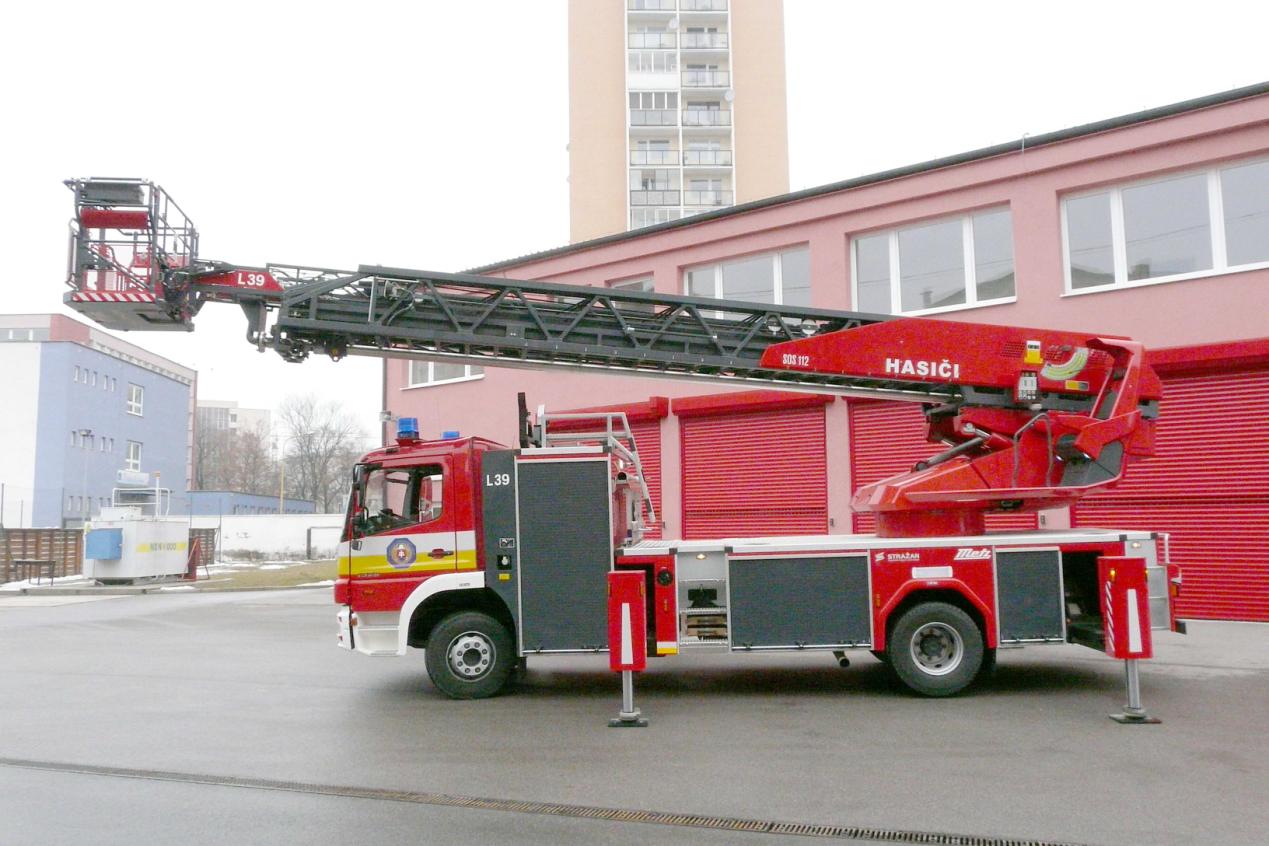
pixel 211 718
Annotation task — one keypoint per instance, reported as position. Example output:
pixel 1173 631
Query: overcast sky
pixel 432 135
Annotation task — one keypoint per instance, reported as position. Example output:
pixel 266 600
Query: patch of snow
pixel 274 566
pixel 60 580
pixel 327 583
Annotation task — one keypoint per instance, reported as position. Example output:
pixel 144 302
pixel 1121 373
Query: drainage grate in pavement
pixel 835 832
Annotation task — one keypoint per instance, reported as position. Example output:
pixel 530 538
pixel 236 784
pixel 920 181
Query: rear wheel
pixel 469 655
pixel 936 649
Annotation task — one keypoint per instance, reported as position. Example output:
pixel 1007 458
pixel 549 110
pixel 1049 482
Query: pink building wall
pixel 1215 308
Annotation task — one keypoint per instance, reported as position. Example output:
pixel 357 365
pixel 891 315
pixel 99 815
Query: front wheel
pixel 936 649
pixel 469 655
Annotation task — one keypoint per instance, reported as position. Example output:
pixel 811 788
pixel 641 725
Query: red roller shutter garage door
pixel 888 438
pixel 755 469
pixel 1205 486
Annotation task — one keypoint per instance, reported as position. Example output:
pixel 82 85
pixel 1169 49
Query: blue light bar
pixel 408 427
pixel 450 435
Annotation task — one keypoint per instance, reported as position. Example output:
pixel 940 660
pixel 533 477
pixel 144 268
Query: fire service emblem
pixel 401 553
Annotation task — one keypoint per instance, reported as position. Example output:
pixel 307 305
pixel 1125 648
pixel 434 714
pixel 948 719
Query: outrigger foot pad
pixel 628 721
pixel 1130 717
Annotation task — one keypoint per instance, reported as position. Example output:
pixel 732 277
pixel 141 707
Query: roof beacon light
pixel 408 429
pixel 450 435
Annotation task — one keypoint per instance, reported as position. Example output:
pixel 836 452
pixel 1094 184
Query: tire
pixel 469 655
pixel 936 649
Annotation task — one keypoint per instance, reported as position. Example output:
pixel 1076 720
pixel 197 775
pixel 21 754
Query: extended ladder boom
pixel 1030 418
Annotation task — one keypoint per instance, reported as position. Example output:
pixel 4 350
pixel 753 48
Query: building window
pixel 76 376
pixel 133 460
pixel 782 278
pixel 136 399
pixel 652 61
pixel 441 372
pixel 642 284
pixel 1179 227
pixel 959 262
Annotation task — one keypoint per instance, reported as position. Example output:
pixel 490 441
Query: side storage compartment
pixel 1029 595
pixel 792 603
pixel 565 540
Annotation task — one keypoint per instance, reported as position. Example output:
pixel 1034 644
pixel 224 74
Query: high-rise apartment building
pixel 676 107
pixel 227 416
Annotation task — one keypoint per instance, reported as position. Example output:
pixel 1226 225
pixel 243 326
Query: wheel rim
pixel 470 655
pixel 937 649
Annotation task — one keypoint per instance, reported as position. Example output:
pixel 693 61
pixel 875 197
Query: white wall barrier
pixel 256 536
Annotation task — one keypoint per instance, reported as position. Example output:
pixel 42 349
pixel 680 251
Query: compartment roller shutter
pixel 754 474
pixel 888 438
pixel 1205 486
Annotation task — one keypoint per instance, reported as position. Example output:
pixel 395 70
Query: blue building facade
pixel 93 406
pixel 213 503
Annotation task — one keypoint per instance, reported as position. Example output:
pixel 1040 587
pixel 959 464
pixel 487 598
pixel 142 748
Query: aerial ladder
pixel 1027 418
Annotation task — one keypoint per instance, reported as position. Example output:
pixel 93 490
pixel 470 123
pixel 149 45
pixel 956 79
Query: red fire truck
pixel 482 554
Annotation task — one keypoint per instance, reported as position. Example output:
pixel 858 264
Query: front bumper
pixel 369 632
pixel 345 629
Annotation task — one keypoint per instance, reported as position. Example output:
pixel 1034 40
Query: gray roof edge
pixel 1024 143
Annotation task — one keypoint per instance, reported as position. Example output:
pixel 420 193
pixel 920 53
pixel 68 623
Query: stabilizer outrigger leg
pixel 1133 712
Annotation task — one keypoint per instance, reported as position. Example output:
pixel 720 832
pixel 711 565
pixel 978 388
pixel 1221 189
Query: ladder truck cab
pixel 481 554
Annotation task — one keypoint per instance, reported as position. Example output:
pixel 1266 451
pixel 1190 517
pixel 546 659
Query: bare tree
pixel 234 460
pixel 321 443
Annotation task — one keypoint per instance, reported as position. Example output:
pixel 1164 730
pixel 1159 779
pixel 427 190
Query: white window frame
pixel 1118 240
pixel 777 274
pixel 131 462
pixel 968 259
pixel 643 284
pixel 431 368
pixel 137 407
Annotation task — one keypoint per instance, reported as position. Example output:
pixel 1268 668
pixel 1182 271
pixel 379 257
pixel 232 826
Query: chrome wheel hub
pixel 470 655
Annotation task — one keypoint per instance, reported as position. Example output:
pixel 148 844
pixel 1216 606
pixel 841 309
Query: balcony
pixel 654 157
pixel 701 5
pixel 650 5
pixel 704 41
pixel 650 216
pixel 706 117
pixel 652 40
pixel 707 158
pixel 708 198
pixel 706 79
pixel 654 117
pixel 654 198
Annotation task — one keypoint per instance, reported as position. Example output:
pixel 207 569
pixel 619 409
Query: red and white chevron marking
pixel 1110 621
pixel 112 297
